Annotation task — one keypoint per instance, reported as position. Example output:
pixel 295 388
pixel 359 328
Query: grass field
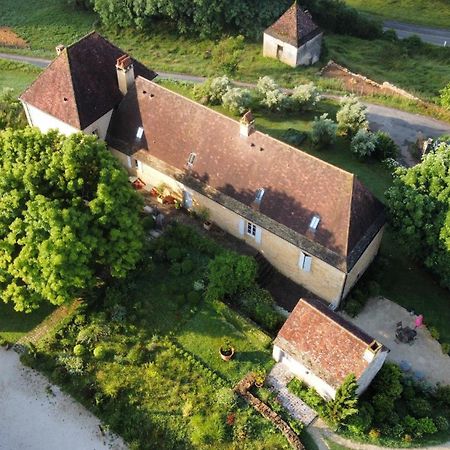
pixel 53 22
pixel 14 325
pixel 434 13
pixel 16 76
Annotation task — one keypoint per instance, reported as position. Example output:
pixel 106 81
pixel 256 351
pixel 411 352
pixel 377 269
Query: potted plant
pixel 226 350
pixel 260 376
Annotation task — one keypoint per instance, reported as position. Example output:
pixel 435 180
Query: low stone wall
pixel 361 85
pixel 242 389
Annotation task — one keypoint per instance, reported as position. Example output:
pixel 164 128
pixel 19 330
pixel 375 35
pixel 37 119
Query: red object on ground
pixel 138 184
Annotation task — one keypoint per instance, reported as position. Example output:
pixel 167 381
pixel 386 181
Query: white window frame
pixel 140 132
pixel 250 229
pixel 305 262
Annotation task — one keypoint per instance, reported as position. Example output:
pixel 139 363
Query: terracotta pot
pixel 226 356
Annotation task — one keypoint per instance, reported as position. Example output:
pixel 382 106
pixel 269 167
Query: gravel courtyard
pixel 37 416
pixel 379 319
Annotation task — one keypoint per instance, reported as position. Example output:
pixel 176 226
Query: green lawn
pixel 423 71
pixel 16 76
pixel 424 12
pixel 205 333
pixel 14 325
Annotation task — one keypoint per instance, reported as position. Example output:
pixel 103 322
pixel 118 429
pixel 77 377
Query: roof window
pixel 314 223
pixel 259 195
pixel 139 132
pixel 191 159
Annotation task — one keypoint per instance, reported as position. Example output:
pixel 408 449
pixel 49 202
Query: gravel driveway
pixel 37 416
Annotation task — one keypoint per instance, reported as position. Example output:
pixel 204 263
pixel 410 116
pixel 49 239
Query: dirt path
pixel 35 415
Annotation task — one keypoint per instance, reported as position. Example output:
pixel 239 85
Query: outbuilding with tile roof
pixel 294 38
pixel 322 348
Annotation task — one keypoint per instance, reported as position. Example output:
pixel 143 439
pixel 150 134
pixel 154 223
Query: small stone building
pixel 321 348
pixel 294 38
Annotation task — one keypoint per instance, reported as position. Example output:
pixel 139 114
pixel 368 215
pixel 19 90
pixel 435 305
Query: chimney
pixel 125 73
pixel 60 48
pixel 247 124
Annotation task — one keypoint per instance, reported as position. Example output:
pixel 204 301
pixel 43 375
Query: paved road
pixel 437 36
pixel 402 126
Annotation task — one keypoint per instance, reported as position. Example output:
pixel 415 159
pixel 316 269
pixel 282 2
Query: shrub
pixel 227 54
pixel 374 434
pixel 174 254
pixel 420 407
pixel 212 90
pixel 187 266
pixel 345 403
pixel 305 96
pixel 385 146
pixel 207 429
pixel 364 143
pixel 445 346
pixel 99 352
pixel 270 95
pixel 323 131
pixel 194 297
pixel 73 364
pixel 443 395
pixel 293 136
pixel 425 425
pixel 445 96
pixel 237 100
pixel 229 273
pixel 226 398
pixel 79 350
pixel 434 333
pixel 351 116
pixel 361 422
pixel 441 423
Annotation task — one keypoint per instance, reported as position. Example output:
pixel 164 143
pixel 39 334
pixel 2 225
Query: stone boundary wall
pixel 359 84
pixel 242 389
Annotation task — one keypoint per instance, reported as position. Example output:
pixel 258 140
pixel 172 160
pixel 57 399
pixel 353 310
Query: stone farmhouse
pixel 321 348
pixel 316 223
pixel 294 38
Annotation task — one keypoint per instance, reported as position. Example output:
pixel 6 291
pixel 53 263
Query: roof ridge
pixel 305 301
pixel 82 38
pixel 268 136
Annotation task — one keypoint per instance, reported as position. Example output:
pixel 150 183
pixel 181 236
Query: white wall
pixel 46 122
pixel 289 55
pixel 309 53
pixel 101 125
pixel 302 372
pixel 372 369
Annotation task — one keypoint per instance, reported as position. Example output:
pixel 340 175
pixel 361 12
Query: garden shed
pixel 294 38
pixel 321 348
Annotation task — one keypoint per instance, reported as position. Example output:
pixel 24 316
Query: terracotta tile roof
pixel 295 27
pixel 80 85
pixel 324 342
pixel 297 185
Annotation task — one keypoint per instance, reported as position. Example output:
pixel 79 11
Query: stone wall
pixel 361 85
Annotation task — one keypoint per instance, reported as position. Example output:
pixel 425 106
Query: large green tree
pixel 196 17
pixel 11 110
pixel 68 217
pixel 419 205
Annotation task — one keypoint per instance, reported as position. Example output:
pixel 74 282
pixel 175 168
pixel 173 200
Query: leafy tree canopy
pixel 195 17
pixel 11 111
pixel 419 205
pixel 67 217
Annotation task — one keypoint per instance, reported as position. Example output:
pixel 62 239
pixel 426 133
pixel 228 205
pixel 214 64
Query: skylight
pixel 314 222
pixel 191 158
pixel 139 132
pixel 259 195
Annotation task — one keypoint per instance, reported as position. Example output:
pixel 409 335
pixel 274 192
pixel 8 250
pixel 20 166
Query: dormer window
pixel 191 159
pixel 259 195
pixel 139 132
pixel 314 223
